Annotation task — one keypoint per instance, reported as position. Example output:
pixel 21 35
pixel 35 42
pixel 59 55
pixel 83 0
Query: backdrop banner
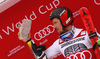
pixel 13 12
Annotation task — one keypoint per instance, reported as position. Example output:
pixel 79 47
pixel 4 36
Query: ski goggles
pixel 67 36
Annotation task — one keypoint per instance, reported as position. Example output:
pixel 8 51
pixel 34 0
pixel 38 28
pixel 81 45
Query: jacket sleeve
pixel 53 51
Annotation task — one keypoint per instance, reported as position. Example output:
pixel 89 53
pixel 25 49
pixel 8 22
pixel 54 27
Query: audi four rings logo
pixel 82 55
pixel 97 2
pixel 44 32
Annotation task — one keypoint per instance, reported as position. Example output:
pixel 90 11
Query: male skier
pixel 71 41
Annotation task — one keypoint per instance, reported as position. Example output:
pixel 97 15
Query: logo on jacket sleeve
pixel 83 32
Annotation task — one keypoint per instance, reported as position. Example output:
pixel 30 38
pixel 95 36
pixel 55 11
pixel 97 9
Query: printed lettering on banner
pixel 0 37
pixel 55 4
pixel 32 17
pixel 8 28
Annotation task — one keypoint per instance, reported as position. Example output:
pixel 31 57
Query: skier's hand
pixel 25 40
